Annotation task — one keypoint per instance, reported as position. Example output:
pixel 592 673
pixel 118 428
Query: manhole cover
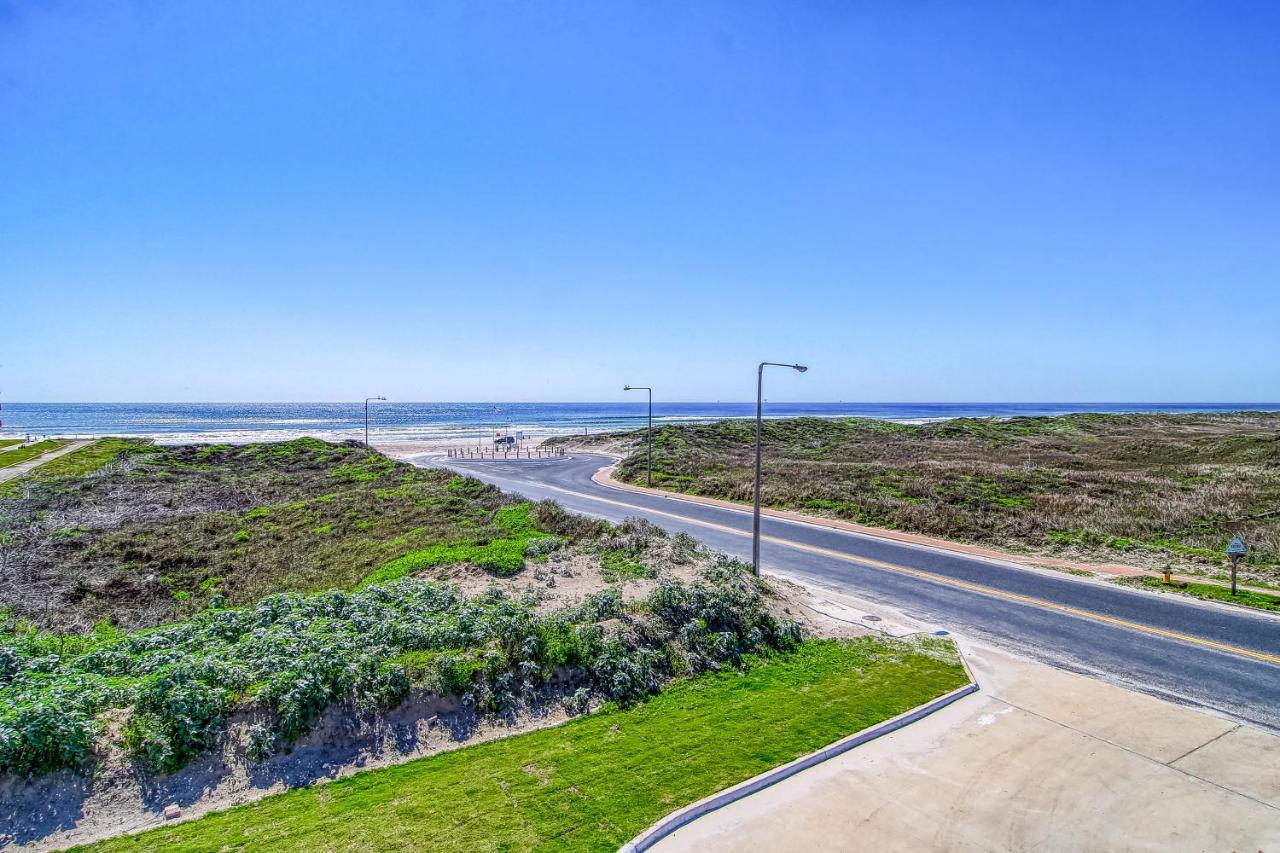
pixel 942 633
pixel 871 618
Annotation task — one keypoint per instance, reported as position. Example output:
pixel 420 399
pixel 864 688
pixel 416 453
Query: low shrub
pixel 293 656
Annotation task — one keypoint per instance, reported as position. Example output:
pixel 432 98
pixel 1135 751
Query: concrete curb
pixel 513 459
pixel 690 813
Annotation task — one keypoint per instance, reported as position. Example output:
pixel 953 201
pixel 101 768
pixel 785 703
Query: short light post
pixel 755 517
pixel 648 480
pixel 366 417
pixel 1235 551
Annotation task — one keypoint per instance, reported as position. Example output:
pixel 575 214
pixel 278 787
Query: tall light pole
pixel 649 471
pixel 755 517
pixel 366 417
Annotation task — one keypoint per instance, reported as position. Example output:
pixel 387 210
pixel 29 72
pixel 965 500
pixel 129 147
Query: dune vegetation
pixel 185 585
pixel 598 780
pixel 158 533
pixel 290 656
pixel 1146 489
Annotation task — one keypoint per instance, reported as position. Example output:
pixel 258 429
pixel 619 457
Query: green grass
pixel 592 783
pixel 78 463
pixel 1246 598
pixel 616 566
pixel 503 556
pixel 31 451
pixel 9 442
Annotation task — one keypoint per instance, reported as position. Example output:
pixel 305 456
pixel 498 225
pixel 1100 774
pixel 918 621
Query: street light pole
pixel 366 417
pixel 649 470
pixel 755 515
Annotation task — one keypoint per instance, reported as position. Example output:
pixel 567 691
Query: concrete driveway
pixel 1040 760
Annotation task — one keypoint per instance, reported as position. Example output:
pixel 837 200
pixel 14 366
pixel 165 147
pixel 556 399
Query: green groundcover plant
pixel 293 655
pixel 599 779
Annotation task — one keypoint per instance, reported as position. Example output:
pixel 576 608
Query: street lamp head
pixel 626 387
pixel 378 398
pixel 797 367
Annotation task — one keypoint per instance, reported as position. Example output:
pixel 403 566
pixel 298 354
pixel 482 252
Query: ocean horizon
pixel 468 422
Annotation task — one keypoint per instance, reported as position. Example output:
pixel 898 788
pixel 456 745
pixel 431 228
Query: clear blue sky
pixel 542 200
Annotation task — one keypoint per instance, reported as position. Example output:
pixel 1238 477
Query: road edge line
pixel 1099 572
pixel 683 817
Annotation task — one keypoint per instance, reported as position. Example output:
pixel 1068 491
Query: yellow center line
pixel 944 579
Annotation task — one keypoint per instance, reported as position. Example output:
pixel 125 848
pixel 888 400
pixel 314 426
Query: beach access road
pixel 1204 654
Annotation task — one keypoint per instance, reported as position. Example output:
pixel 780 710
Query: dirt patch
pixel 567 577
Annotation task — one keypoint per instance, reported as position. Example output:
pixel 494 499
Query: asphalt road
pixel 1213 656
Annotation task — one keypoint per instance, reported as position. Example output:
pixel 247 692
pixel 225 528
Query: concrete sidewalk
pixel 1040 760
pixel 14 471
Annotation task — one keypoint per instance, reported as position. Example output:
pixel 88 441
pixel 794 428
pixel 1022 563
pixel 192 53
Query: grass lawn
pixel 31 451
pixel 86 460
pixel 1248 598
pixel 595 782
pixel 9 442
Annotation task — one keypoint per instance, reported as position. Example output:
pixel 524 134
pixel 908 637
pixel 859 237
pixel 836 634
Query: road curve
pixel 1214 656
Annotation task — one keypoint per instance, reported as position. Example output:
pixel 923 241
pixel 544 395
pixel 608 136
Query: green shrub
pixel 178 713
pixel 41 734
pixel 293 656
pixel 260 742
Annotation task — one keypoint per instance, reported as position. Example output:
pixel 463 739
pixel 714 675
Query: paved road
pixel 1213 656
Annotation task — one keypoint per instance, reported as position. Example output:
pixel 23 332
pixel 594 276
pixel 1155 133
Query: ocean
pixel 474 422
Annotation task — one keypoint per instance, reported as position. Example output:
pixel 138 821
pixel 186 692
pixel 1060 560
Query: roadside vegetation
pixel 9 442
pixel 31 451
pixel 186 586
pixel 289 657
pixel 1209 592
pixel 1139 489
pixel 594 782
pixel 77 463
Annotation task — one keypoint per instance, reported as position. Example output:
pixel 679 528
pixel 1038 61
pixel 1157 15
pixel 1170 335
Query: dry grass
pixel 153 535
pixel 156 534
pixel 1143 489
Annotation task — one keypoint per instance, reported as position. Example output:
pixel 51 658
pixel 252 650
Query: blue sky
pixel 543 201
